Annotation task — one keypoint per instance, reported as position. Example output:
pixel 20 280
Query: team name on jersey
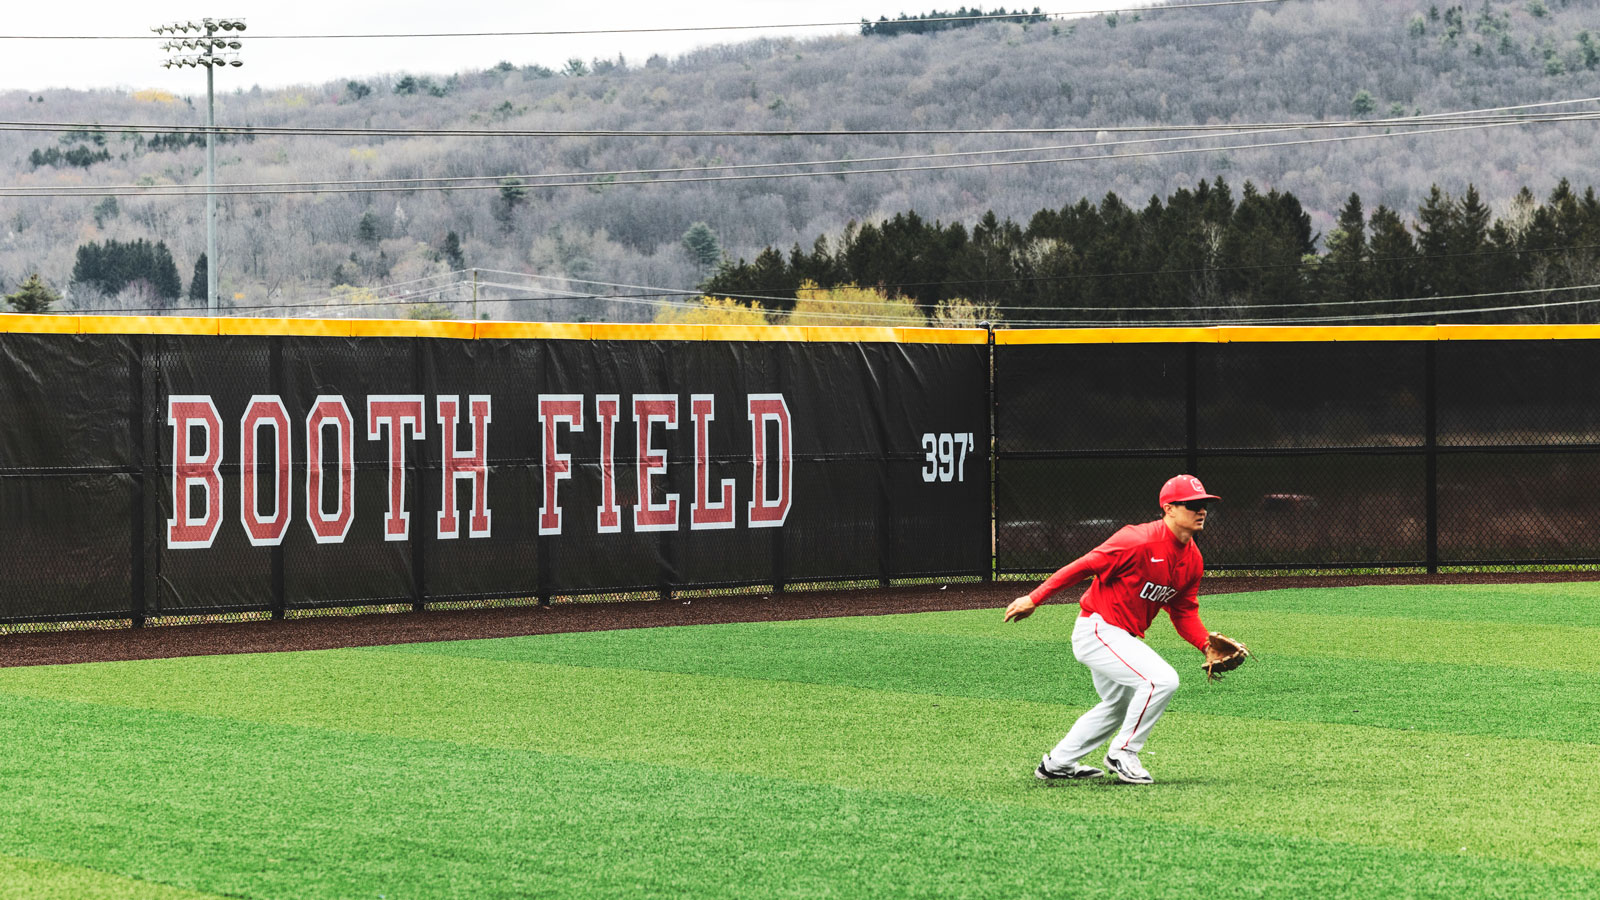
pixel 1156 593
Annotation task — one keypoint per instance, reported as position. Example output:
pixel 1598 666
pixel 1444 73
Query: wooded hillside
pixel 1299 60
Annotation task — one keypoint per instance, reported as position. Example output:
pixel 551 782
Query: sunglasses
pixel 1196 505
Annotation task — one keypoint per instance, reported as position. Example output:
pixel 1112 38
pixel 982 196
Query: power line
pixel 309 131
pixel 98 190
pixel 1114 309
pixel 1464 117
pixel 184 191
pixel 662 30
pixel 652 300
pixel 1295 320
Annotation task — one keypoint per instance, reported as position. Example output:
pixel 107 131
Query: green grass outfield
pixel 1438 741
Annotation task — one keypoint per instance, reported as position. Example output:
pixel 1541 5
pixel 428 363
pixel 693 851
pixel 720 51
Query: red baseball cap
pixel 1184 487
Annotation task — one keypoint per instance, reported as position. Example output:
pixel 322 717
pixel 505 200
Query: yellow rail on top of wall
pixel 569 331
pixel 628 331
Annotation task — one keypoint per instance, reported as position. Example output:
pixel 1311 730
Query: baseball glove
pixel 1223 654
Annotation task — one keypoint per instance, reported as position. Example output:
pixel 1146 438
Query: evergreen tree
pixel 105 209
pixel 452 252
pixel 701 243
pixel 512 194
pixel 111 267
pixel 1265 247
pixel 774 280
pixel 820 267
pixel 1436 220
pixel 1470 246
pixel 199 283
pixel 983 268
pixel 34 296
pixel 1345 270
pixel 367 228
pixel 1394 272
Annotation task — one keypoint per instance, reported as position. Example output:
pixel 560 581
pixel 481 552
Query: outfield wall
pixel 281 465
pixel 170 466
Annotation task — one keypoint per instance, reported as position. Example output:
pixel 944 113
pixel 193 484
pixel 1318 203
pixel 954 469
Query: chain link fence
pixel 1327 454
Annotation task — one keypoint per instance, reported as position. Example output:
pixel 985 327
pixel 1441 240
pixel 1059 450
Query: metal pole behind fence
pixel 989 570
pixel 141 447
pixel 211 194
pixel 1430 443
pixel 419 567
pixel 275 374
pixel 1191 409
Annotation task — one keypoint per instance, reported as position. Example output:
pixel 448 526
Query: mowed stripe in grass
pixel 1564 603
pixel 1566 647
pixel 252 810
pixel 37 879
pixel 1466 699
pixel 1376 786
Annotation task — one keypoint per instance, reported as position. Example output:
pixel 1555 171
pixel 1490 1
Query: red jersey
pixel 1138 571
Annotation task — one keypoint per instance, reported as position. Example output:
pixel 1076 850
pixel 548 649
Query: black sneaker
pixel 1126 767
pixel 1072 771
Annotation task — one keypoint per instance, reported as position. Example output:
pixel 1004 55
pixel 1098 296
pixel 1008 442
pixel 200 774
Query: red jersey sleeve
pixel 1185 613
pixel 1098 561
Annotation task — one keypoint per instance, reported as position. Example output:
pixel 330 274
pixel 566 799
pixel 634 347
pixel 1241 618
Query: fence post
pixel 1430 444
pixel 141 447
pixel 1191 409
pixel 541 570
pixel 275 375
pixel 419 534
pixel 780 560
pixel 989 571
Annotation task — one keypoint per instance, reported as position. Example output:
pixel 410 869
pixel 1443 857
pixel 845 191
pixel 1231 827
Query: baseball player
pixel 1139 571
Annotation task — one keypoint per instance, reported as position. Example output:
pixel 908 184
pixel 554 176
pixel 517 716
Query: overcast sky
pixel 32 65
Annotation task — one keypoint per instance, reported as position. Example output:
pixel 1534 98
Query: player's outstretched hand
pixel 1020 609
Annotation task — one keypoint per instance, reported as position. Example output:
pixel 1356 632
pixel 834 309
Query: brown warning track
pixel 328 632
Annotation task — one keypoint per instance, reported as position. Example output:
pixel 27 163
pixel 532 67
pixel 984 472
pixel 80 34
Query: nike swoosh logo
pixel 1157 559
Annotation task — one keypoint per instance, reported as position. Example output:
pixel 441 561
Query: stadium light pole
pixel 210 56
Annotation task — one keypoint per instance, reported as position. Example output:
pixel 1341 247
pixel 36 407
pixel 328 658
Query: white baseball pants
pixel 1135 685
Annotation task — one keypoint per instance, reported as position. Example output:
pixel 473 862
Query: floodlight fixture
pixel 208 43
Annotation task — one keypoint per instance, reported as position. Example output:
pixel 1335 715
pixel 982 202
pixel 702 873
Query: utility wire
pixel 276 130
pixel 97 190
pixel 185 191
pixel 653 301
pixel 681 28
pixel 1297 320
pixel 1118 309
pixel 1466 117
pixel 498 180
